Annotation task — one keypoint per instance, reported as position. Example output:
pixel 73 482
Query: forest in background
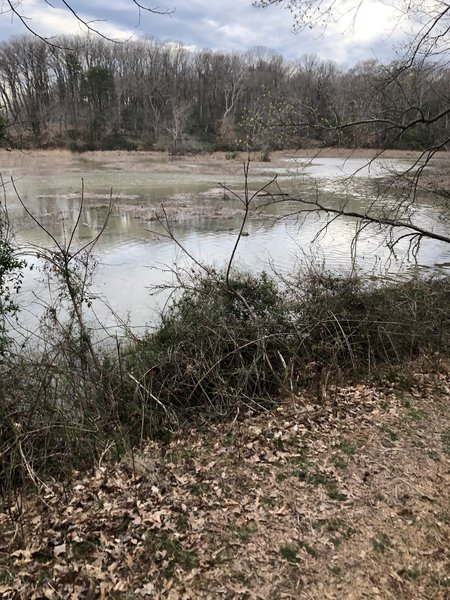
pixel 86 93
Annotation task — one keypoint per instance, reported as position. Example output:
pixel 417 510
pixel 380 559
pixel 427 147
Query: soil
pixel 346 497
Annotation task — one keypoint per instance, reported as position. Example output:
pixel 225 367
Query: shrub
pixel 225 346
pixel 11 267
pixel 353 325
pixel 219 345
pixel 222 346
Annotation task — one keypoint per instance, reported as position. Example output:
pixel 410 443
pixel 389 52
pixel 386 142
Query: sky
pixel 222 25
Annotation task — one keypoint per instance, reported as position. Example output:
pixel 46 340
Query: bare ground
pixel 346 498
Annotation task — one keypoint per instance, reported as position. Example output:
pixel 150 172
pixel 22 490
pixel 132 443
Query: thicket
pixel 227 346
pixel 10 277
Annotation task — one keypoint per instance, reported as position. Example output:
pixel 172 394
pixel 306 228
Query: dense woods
pixel 91 93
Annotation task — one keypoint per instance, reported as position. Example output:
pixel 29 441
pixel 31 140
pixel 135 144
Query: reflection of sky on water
pixel 132 260
pixel 128 270
pixel 339 168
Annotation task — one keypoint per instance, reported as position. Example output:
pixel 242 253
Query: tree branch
pixel 389 222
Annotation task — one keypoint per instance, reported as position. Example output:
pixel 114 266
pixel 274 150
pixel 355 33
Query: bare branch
pixel 13 8
pixel 366 217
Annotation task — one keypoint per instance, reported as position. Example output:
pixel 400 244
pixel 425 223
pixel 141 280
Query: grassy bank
pixel 227 348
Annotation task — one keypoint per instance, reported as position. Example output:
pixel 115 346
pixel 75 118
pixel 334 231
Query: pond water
pixel 133 254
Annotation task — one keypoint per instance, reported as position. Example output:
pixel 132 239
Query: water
pixel 134 255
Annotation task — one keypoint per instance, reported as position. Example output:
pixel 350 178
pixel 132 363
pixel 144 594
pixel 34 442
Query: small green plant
pixel 390 437
pixel 334 493
pixel 83 549
pixel 336 540
pixel 281 476
pixel 243 533
pixel 347 447
pixel 439 580
pixel 181 522
pixel 309 549
pixel 415 414
pixel 402 380
pixel 41 579
pixel 170 552
pixel 311 477
pixel 434 455
pixel 268 501
pixel 330 525
pixel 340 462
pixel 316 479
pixel 410 572
pixel 279 444
pixel 199 489
pixel 243 578
pixel 335 570
pixel 289 553
pixel 381 542
pixel 6 577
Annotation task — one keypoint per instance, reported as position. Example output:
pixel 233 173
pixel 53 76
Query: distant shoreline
pixel 14 158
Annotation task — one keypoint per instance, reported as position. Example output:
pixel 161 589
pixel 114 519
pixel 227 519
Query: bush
pixel 11 267
pixel 353 325
pixel 218 346
pixel 224 347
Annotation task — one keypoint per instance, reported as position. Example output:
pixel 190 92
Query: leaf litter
pixel 348 498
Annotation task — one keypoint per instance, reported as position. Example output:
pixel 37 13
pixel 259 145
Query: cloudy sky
pixel 231 25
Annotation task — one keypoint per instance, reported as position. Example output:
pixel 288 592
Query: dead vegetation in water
pixel 213 202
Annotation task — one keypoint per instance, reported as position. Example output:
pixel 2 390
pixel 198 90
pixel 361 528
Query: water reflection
pixel 133 259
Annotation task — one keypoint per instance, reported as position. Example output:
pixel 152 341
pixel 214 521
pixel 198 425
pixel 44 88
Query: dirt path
pixel 348 499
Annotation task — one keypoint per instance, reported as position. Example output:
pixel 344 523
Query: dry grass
pixel 32 158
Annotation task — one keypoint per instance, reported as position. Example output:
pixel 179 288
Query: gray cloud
pixel 230 25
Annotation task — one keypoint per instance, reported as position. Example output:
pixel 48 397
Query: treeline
pixel 84 93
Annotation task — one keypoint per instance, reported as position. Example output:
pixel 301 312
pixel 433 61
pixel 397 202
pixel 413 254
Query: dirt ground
pixel 346 498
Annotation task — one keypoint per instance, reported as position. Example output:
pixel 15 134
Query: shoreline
pixel 293 502
pixel 8 157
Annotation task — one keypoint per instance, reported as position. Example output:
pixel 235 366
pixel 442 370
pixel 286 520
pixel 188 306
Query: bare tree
pixel 407 105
